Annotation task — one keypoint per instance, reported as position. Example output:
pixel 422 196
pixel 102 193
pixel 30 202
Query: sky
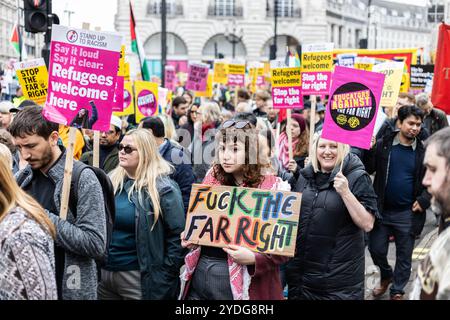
pixel 98 13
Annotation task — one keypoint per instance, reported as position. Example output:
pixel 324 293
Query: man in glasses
pixel 81 240
pixel 109 153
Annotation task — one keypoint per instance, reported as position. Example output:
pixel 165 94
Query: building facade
pixel 244 29
pixel 9 15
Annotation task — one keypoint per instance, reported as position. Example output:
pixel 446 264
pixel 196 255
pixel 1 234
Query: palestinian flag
pixel 136 47
pixel 16 39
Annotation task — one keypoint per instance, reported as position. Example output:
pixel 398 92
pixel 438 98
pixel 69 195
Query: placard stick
pixel 96 154
pixel 96 160
pixel 312 123
pixel 236 90
pixel 68 168
pixel 289 132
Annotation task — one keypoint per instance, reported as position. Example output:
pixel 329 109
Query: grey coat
pixel 84 238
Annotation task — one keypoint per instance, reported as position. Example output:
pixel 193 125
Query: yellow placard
pixel 236 69
pixel 317 61
pixel 146 99
pixel 126 71
pixel 405 84
pixel 393 72
pixel 220 72
pixel 121 72
pixel 286 77
pixel 33 78
pixel 128 100
pixel 209 88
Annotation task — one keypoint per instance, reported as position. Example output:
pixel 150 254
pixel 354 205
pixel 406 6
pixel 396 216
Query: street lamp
pixel 232 37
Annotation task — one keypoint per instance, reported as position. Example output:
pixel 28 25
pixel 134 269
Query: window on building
pixel 394 13
pixel 285 8
pixel 224 7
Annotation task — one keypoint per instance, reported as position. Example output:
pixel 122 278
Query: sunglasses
pixel 237 124
pixel 127 149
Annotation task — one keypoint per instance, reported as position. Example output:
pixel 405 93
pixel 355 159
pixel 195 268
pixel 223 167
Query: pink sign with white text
pixel 82 77
pixel 197 77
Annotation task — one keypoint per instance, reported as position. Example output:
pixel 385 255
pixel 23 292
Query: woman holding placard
pixel 235 273
pixel 145 254
pixel 338 205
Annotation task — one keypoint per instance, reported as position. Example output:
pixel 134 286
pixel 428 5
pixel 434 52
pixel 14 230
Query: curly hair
pixel 252 170
pixel 302 146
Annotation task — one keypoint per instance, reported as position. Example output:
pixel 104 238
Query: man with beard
pixel 78 241
pixel 397 160
pixel 433 275
pixel 109 143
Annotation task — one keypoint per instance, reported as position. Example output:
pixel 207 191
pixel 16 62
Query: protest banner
pixel 197 77
pixel 127 71
pixel 118 95
pixel 164 96
pixel 440 95
pixel 353 105
pixel 208 93
pixel 33 79
pixel 128 100
pixel 171 78
pixel 262 220
pixel 236 74
pixel 420 75
pixel 408 55
pixel 286 86
pixel 317 62
pixel 82 77
pixel 393 72
pixel 220 72
pixel 121 72
pixel 146 99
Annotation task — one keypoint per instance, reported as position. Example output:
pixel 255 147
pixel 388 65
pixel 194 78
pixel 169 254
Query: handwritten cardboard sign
pixel 264 221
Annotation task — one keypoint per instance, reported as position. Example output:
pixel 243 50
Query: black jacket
pixel 183 174
pixel 377 160
pixel 329 258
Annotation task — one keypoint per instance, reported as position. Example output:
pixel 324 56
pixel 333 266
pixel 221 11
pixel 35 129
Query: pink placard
pixel 317 83
pixel 82 77
pixel 287 97
pixel 353 106
pixel 171 78
pixel 118 95
pixel 236 80
pixel 197 77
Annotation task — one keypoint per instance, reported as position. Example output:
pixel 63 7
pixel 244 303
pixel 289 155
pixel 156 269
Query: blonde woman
pixel 27 262
pixel 169 127
pixel 338 205
pixel 145 253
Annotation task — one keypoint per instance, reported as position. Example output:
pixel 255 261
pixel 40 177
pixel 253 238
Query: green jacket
pixel 111 160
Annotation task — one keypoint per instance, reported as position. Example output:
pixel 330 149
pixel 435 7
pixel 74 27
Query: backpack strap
pixel 78 168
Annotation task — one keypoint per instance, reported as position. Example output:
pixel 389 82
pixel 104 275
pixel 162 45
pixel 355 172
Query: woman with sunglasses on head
pixel 145 254
pixel 235 273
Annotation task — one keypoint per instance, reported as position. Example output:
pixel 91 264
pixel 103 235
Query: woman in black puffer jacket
pixel 337 207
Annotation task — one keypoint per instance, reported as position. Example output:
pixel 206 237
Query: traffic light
pixel 36 15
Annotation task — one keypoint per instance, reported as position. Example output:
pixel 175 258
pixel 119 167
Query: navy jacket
pixel 183 174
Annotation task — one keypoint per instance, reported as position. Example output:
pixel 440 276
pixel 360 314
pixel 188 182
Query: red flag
pixel 440 96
